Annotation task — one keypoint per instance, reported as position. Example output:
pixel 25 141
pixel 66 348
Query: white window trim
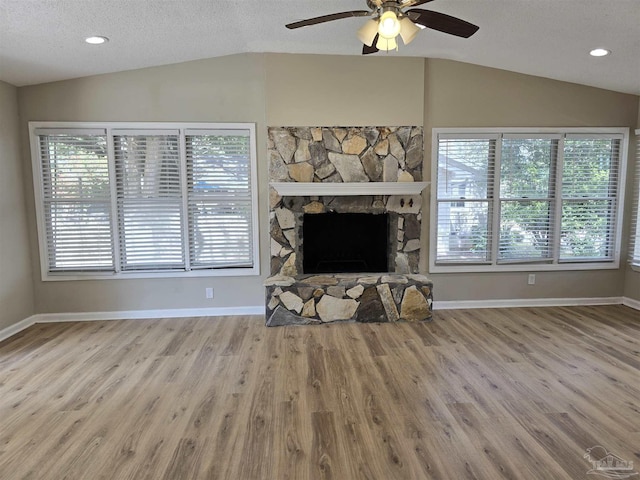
pixel 526 267
pixel 109 126
pixel 634 244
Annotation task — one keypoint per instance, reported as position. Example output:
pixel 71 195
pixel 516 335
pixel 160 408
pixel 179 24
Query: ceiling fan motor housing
pixel 380 6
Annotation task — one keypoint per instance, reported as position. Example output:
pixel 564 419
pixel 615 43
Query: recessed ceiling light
pixel 96 40
pixel 599 52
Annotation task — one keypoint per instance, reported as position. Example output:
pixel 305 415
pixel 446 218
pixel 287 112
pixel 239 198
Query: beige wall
pixel 632 277
pixel 303 90
pixel 227 89
pixel 461 94
pixel 464 95
pixel 16 286
pixel 323 90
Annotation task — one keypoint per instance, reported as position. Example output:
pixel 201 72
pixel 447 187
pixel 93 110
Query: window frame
pixel 634 243
pixel 115 273
pixel 495 265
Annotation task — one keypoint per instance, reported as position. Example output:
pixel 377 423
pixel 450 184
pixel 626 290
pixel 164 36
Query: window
pixel 125 200
pixel 634 246
pixel 518 200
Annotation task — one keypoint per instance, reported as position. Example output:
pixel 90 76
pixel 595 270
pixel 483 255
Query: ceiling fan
pixel 392 18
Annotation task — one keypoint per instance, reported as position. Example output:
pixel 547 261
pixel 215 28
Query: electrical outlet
pixel 532 279
pixel 208 292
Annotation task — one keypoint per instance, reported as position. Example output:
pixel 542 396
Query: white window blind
pixel 116 200
pixel 219 198
pixel 75 200
pixel 507 198
pixel 589 198
pixel 634 246
pixel 527 193
pixel 149 201
pixel 464 199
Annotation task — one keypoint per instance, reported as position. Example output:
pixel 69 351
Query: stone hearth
pixel 345 156
pixel 314 299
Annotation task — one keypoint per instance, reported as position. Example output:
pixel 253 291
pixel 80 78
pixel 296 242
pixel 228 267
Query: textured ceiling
pixel 42 40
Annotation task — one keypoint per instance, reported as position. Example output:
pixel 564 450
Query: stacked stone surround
pixel 345 155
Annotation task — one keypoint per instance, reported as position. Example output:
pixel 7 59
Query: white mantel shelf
pixel 303 189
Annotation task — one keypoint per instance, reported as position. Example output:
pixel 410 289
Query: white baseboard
pixel 11 330
pixel 142 314
pixel 525 302
pixel 630 302
pixel 128 314
pixel 259 310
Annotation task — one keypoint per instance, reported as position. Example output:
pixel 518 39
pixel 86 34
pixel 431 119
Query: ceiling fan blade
pixel 329 18
pixel 366 49
pixel 443 23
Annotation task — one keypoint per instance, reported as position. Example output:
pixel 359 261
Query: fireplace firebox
pixel 345 242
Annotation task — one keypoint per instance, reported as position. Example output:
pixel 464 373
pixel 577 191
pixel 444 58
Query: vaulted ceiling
pixel 43 40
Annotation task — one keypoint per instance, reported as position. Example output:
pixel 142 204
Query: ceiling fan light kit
pixel 367 33
pixel 386 44
pixel 388 24
pixel 408 30
pixel 390 20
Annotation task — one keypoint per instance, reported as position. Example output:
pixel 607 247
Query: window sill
pixel 75 276
pixel 564 267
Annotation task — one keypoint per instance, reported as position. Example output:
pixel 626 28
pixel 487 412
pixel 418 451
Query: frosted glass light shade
pixel 386 44
pixel 367 33
pixel 408 30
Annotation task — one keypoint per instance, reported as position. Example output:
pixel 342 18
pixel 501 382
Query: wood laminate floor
pixel 476 394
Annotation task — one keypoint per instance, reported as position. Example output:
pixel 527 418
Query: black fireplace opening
pixel 345 242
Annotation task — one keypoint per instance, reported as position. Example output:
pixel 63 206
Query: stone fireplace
pixel 323 180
